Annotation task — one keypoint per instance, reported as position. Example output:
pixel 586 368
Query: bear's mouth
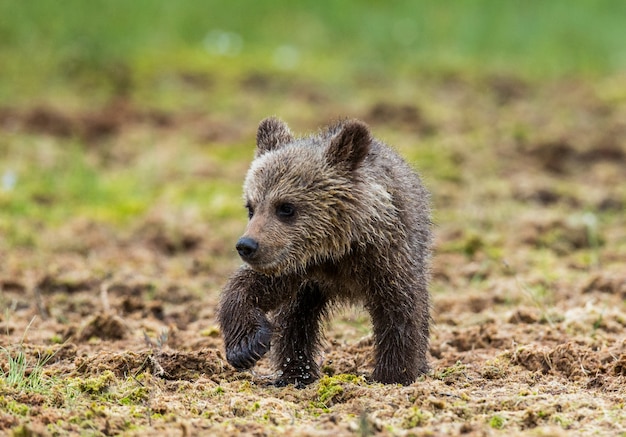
pixel 276 266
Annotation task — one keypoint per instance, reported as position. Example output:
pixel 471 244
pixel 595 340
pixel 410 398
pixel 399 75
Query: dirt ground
pixel 115 325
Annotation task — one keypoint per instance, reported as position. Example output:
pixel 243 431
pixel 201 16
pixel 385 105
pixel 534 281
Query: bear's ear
pixel 350 146
pixel 272 134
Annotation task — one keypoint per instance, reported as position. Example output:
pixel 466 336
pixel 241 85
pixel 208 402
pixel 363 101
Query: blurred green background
pixel 46 44
pixel 108 108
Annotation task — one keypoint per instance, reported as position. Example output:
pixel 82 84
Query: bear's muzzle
pixel 247 248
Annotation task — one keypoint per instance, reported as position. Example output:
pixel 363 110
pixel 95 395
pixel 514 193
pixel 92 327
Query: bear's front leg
pixel 246 330
pixel 401 333
pixel 297 339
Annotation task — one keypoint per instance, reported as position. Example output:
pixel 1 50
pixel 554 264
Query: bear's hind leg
pixel 401 331
pixel 297 339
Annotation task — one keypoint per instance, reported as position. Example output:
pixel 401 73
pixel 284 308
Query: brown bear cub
pixel 334 217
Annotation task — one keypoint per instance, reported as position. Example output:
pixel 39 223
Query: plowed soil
pixel 529 278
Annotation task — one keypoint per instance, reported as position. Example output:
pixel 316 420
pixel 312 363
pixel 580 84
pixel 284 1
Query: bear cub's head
pixel 302 196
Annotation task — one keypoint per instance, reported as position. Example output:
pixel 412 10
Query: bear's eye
pixel 285 210
pixel 250 210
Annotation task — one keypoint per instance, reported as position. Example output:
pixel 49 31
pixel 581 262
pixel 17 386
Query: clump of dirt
pixel 562 156
pixel 168 239
pixel 105 326
pixel 89 126
pixel 166 364
pixel 573 360
pixel 188 366
pixel 406 116
pixel 122 364
pixel 131 285
pixel 553 155
pixel 67 279
pixel 12 285
pixel 544 193
pixel 507 89
pixel 525 315
pixel 64 352
pixel 67 283
pixel 8 421
pixel 618 367
pixel 605 282
pixel 34 399
pixel 134 304
pixel 563 236
pixel 487 335
pixel 112 120
pixel 348 358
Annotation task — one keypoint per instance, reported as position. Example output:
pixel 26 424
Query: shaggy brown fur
pixel 334 217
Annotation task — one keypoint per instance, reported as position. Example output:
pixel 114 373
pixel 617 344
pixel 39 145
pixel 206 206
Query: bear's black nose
pixel 247 247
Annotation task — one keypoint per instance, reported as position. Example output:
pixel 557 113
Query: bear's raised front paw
pixel 244 354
